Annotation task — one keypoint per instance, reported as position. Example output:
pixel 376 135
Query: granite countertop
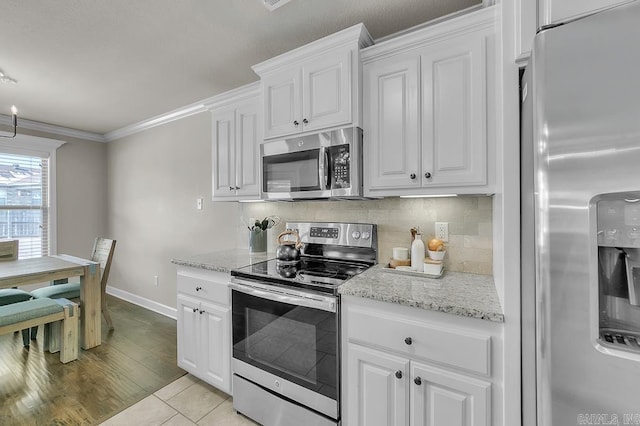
pixel 223 260
pixel 458 293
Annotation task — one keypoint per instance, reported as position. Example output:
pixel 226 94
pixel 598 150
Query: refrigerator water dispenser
pixel 618 221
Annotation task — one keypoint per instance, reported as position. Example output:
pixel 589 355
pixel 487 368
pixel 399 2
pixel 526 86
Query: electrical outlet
pixel 442 231
pixel 155 280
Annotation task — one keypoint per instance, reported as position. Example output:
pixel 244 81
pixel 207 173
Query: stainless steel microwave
pixel 321 165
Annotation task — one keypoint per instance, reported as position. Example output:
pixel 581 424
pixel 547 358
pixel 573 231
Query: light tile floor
pixel 187 401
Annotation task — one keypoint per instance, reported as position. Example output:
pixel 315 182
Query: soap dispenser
pixel 417 252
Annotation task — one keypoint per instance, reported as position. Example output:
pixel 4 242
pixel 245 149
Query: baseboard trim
pixel 167 311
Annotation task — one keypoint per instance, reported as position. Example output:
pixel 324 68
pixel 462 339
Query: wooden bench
pixel 34 312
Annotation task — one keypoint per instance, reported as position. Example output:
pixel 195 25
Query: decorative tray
pixel 387 268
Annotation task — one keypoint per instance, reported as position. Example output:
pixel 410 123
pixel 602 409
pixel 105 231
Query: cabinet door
pixel 391 120
pixel 223 153
pixel 440 397
pixel 188 346
pixel 282 98
pixel 376 396
pixel 216 346
pixel 326 91
pixel 454 145
pixel 247 150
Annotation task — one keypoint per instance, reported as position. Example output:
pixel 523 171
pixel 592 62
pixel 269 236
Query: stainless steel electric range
pixel 286 326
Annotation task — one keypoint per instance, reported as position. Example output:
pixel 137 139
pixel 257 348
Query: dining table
pixel 45 269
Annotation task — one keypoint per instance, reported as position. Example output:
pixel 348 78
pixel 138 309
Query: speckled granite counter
pixel 224 260
pixel 456 293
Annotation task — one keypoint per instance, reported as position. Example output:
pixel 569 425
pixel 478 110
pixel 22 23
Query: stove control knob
pixel 355 235
pixel 276 383
pixel 366 235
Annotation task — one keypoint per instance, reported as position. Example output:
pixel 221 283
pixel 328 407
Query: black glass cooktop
pixel 318 274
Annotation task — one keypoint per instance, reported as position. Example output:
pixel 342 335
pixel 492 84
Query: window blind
pixel 24 203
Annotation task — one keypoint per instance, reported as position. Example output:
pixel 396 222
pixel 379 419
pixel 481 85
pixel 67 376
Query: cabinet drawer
pixel 205 289
pixel 418 339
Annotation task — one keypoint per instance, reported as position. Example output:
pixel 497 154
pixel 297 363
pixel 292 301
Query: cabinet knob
pixel 412 175
pixel 201 311
pixel 237 187
pixel 195 309
pixel 305 121
pixel 427 175
pixel 399 374
pixel 231 188
pixel 295 123
pixel 417 381
pixel 408 340
pixel 198 288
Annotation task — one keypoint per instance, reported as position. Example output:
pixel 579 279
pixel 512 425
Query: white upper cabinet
pixel 391 88
pixel 428 104
pixel 326 91
pixel 236 137
pixel 454 106
pixel 314 87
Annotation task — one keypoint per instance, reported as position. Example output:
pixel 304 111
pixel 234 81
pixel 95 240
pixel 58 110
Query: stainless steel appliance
pixel 286 326
pixel 322 165
pixel 580 176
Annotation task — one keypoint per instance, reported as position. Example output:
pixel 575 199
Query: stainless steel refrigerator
pixel 580 212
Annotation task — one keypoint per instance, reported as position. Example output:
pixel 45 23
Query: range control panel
pixel 342 234
pixel 318 232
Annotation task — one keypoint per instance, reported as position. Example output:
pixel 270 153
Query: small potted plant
pixel 258 233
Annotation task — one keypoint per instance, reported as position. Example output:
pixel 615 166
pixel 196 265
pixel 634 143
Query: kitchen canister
pixel 400 253
pixel 257 241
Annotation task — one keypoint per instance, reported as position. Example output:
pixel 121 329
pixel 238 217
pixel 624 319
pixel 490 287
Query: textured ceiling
pixel 98 65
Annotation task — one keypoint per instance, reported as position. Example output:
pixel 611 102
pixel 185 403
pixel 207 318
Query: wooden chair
pixel 102 252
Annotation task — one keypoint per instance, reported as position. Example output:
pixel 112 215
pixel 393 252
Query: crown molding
pixel 53 129
pixel 349 36
pixel 176 114
pixel 467 21
pixel 241 93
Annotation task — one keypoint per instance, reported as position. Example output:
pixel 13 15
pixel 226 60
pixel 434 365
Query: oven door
pixel 289 333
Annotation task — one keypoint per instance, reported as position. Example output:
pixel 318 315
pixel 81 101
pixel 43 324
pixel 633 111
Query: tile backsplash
pixel 470 224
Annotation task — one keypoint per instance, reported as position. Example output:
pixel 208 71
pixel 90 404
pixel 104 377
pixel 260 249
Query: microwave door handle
pixel 323 168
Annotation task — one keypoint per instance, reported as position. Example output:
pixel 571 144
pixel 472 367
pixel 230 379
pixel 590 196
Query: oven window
pixel 293 172
pixel 296 343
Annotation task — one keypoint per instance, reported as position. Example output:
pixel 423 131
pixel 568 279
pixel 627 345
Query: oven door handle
pixel 281 295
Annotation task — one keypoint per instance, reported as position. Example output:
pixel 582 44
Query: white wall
pixel 154 179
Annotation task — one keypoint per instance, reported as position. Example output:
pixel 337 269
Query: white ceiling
pixel 98 66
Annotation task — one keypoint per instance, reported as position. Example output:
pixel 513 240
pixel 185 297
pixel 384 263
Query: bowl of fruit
pixel 436 249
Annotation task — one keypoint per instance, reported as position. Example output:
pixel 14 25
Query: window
pixel 24 203
pixel 27 202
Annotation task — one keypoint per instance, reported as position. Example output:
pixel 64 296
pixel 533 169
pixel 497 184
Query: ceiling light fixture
pixel 272 5
pixel 6 79
pixel 14 121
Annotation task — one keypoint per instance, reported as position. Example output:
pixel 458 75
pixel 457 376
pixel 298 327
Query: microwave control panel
pixel 341 167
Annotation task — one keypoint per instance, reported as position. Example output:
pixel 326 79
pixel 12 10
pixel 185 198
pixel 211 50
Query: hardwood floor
pixel 134 360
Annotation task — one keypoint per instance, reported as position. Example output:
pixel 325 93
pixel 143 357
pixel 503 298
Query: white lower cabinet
pixel 204 326
pixel 405 366
pixel 378 388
